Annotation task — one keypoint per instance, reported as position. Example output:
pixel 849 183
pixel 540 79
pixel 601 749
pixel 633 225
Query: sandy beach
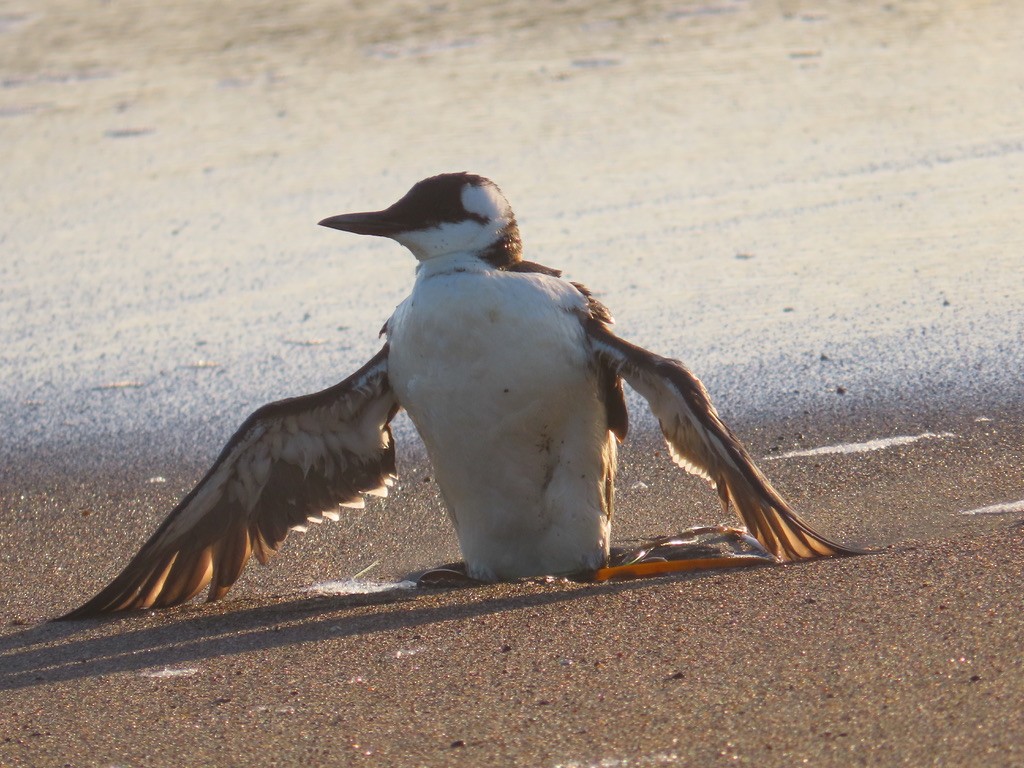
pixel 818 209
pixel 909 656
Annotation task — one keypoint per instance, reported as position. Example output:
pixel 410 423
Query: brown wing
pixel 288 464
pixel 702 444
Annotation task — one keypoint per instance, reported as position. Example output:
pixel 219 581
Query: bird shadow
pixel 54 652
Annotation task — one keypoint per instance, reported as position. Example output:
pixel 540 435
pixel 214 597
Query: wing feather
pixel 700 442
pixel 290 462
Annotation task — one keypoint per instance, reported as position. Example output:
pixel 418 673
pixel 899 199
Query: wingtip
pixel 74 615
pixel 85 611
pixel 795 541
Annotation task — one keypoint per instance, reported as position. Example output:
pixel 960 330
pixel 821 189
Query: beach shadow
pixel 51 652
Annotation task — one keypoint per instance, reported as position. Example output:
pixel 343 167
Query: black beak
pixel 379 223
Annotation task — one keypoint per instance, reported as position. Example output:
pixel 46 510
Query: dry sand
pixel 818 208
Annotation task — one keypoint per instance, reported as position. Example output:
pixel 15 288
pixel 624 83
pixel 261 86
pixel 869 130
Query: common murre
pixel 513 379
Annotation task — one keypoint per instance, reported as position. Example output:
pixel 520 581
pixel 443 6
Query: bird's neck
pixel 459 261
pixel 504 253
pixel 506 250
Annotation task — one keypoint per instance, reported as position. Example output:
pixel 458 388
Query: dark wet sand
pixel 910 656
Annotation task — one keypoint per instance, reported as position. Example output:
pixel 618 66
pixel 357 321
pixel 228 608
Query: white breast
pixel 495 373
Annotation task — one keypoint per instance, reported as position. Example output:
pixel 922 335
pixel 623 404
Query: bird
pixel 512 377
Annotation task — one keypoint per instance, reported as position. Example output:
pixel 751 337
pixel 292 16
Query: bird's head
pixel 452 213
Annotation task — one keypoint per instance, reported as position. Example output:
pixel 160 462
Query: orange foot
pixel 696 549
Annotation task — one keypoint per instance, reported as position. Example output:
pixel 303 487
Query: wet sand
pixel 911 655
pixel 817 209
pixel 911 658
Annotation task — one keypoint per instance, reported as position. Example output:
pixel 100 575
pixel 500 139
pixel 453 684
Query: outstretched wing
pixel 702 444
pixel 288 464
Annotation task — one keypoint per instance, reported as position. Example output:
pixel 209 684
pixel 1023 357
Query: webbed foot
pixel 695 549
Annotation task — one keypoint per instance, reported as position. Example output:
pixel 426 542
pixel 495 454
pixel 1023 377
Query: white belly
pixel 495 375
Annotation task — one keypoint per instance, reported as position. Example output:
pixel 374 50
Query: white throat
pixel 450 238
pixel 487 215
